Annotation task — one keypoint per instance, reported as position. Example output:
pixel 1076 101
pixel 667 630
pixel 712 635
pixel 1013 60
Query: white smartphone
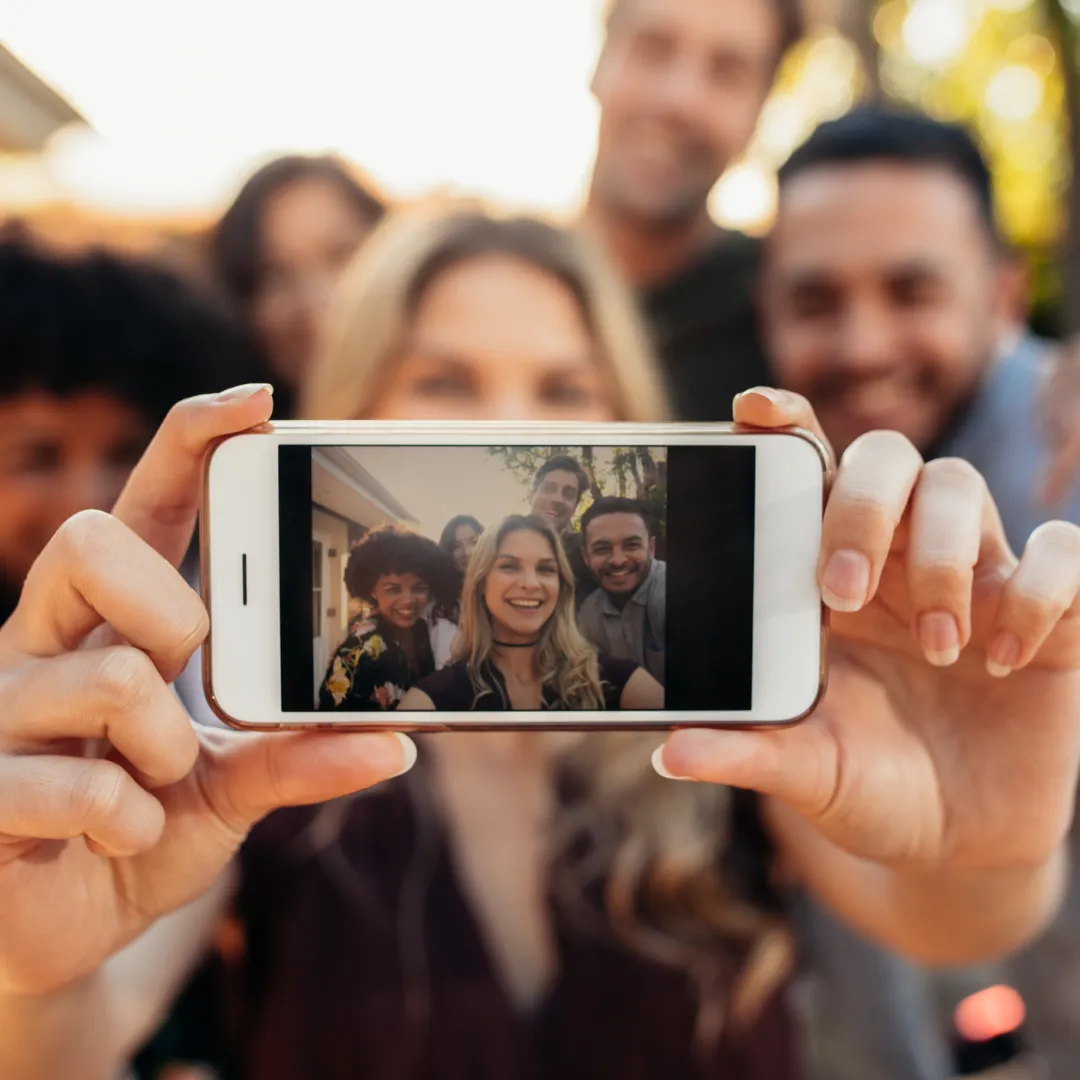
pixel 689 551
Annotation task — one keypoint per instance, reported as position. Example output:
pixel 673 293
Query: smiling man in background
pixel 890 301
pixel 681 85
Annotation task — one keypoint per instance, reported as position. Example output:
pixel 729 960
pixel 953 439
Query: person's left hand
pixel 949 735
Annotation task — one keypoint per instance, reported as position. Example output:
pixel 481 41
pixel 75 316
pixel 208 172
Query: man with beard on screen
pixel 557 490
pixel 625 617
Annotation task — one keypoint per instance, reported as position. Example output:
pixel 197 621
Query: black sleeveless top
pixel 452 689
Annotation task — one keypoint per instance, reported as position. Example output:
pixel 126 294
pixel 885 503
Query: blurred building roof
pixel 30 109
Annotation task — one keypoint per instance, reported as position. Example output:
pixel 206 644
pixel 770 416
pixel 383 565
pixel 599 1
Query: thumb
pixel 250 775
pixel 799 765
pixel 161 499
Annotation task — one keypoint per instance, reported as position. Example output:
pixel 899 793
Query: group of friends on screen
pixel 544 610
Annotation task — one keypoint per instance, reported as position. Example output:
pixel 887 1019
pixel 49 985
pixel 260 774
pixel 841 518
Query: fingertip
pixel 689 753
pixel 247 407
pixel 839 604
pixel 759 406
pixel 379 755
pixel 846 580
pixel 195 422
pixel 245 392
pixel 661 768
pixel 408 752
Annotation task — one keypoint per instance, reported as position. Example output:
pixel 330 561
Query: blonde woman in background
pixel 454 314
pixel 520 905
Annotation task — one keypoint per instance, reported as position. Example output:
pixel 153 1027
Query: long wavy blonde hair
pixel 662 851
pixel 565 661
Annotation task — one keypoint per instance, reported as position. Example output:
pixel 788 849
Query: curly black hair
pixel 104 321
pixel 394 550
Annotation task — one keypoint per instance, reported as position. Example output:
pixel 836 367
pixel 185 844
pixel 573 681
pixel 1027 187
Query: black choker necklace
pixel 515 644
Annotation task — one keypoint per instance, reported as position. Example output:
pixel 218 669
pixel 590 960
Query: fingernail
pixel 408 752
pixel 940 638
pixel 1003 654
pixel 248 390
pixel 658 765
pixel 845 582
pixel 769 393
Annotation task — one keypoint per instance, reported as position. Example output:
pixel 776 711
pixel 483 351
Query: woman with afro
pixel 396 574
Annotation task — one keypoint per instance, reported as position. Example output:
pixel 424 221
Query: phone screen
pixel 430 566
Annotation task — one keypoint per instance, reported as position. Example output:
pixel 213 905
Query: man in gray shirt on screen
pixel 625 616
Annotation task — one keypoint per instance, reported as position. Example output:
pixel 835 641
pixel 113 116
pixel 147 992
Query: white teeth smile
pixel 525 605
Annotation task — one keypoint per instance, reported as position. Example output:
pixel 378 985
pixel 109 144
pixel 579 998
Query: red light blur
pixel 995 1011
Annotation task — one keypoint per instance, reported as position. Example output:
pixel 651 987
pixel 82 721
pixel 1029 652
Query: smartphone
pixel 685 581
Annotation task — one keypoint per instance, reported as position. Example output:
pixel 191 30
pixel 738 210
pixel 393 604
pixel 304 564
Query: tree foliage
pixel 1008 68
pixel 634 472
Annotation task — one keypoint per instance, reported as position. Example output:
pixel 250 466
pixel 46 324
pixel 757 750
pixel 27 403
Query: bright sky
pixel 482 96
pixel 487 95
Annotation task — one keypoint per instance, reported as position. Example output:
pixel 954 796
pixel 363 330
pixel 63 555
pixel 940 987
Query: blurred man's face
pixel 58 455
pixel 680 84
pixel 883 297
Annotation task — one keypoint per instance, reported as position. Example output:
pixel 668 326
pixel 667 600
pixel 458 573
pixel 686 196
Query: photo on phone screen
pixel 624 572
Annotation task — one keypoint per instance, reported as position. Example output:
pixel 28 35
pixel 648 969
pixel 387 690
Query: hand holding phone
pixel 630 576
pixel 940 768
pixel 93 850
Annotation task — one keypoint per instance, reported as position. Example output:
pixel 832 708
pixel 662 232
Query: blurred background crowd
pixel 885 219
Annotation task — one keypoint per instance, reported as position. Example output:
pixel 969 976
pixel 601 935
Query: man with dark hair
pixel 95 349
pixel 681 84
pixel 625 617
pixel 557 490
pixel 889 300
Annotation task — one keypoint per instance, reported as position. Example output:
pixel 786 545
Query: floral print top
pixel 370 671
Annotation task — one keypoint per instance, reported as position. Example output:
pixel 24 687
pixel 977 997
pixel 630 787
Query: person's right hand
pixel 114 809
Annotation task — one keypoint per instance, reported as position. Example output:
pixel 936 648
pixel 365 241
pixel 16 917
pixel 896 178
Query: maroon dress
pixel 363 961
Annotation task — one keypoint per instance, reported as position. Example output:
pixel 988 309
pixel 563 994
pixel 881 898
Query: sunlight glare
pixel 485 96
pixel 936 31
pixel 1014 93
